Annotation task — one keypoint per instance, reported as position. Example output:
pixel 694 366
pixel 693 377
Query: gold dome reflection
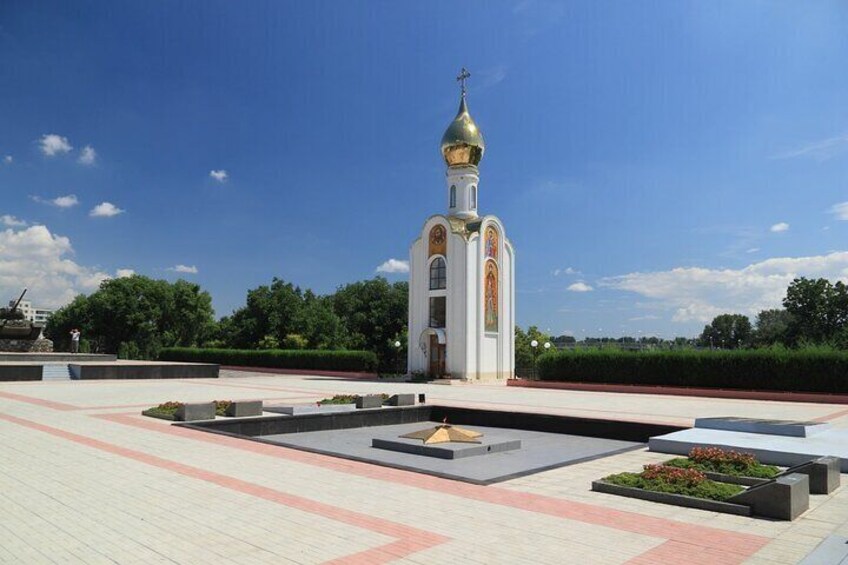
pixel 462 143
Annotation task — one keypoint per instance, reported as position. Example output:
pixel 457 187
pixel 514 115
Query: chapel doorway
pixel 437 357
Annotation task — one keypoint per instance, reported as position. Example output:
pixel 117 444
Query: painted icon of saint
pixel 491 297
pixel 491 243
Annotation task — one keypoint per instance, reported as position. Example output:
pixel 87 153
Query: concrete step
pixel 56 372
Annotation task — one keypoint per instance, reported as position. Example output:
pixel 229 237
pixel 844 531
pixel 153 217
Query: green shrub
pixel 295 341
pixel 129 350
pixel 165 411
pixel 347 399
pixel 717 460
pixel 168 410
pixel 314 359
pixel 689 482
pixel 804 370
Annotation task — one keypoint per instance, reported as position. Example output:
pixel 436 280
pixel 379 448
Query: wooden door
pixel 437 357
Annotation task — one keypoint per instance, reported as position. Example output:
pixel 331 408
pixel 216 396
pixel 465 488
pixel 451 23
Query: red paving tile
pixel 735 547
pixel 410 540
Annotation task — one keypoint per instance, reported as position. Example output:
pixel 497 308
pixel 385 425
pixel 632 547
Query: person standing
pixel 75 339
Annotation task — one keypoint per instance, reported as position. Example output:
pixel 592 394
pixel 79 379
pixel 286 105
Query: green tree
pixel 319 324
pixel 819 310
pixel 773 327
pixel 141 313
pixel 728 331
pixel 74 315
pixel 374 313
pixel 269 311
pixel 523 347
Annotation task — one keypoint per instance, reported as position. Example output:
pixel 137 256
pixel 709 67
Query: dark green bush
pixel 315 359
pixel 711 490
pixel 810 370
pixel 757 470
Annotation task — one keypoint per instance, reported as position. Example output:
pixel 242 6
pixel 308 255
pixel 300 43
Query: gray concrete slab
pixel 300 409
pixel 539 451
pixel 784 451
pixel 833 550
pixel 453 450
pixel 792 428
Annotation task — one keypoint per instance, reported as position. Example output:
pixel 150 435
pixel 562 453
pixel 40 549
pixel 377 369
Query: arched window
pixel 473 197
pixel 438 274
pixel 453 197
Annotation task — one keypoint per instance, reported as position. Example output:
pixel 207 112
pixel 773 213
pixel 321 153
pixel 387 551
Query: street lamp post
pixel 397 357
pixel 535 345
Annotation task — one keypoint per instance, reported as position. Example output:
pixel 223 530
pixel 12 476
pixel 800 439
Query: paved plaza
pixel 84 478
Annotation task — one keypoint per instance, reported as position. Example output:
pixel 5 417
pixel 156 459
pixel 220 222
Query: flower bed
pixel 675 480
pixel 346 399
pixel 716 461
pixel 168 410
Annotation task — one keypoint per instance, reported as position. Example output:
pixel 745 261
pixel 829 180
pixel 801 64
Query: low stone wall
pixel 20 372
pixel 26 345
pixel 127 370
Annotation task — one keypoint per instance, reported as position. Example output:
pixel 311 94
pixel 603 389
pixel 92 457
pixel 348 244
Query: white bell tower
pixel 461 276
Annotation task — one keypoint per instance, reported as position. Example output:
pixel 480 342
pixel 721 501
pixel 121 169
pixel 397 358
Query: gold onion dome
pixel 462 143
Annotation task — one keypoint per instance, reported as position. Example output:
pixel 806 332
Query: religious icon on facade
pixel 491 297
pixel 438 240
pixel 492 243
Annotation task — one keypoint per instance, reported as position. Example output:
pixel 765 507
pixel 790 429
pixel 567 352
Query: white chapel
pixel 462 274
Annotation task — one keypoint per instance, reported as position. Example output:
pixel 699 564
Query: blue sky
pixel 655 163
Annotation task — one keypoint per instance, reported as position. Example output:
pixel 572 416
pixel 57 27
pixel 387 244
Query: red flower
pixel 673 475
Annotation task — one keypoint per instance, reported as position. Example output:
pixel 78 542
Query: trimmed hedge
pixel 315 359
pixel 814 370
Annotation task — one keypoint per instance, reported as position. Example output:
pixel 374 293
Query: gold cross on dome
pixel 463 74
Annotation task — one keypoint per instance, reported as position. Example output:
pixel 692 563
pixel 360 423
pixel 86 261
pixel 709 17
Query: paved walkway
pixel 84 478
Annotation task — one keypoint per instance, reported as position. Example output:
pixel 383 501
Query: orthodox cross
pixel 464 74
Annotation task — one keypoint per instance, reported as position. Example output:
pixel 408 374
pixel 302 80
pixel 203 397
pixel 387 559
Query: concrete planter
pixel 675 499
pixel 369 401
pixel 200 411
pixel 823 474
pixel 402 400
pixel 783 498
pixel 244 408
pixel 301 409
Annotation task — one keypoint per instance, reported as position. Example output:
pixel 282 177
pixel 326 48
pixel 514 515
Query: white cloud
pixel 752 250
pixel 88 155
pixel 840 211
pixel 566 271
pixel 490 77
pixel 8 159
pixel 821 150
pixel 191 269
pixel 394 266
pixel 11 222
pixel 219 175
pixel 53 144
pixel 779 227
pixel 38 260
pixel 699 294
pixel 60 201
pixel 124 273
pixel 580 287
pixel 105 210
